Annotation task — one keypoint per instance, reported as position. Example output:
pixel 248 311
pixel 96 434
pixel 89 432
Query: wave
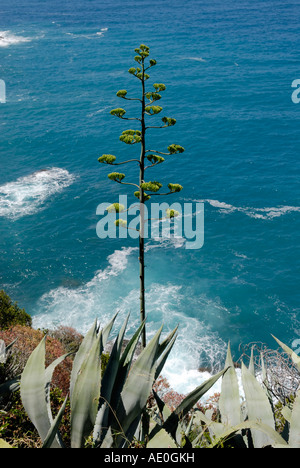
pixel 256 213
pixel 79 307
pixel 110 291
pixel 28 194
pixel 7 39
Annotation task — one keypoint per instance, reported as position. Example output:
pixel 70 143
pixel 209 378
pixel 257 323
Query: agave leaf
pixel 123 370
pixel 258 406
pixel 280 446
pixel 108 440
pixel 11 344
pixel 216 429
pixel 2 352
pixel 193 397
pixel 161 417
pixel 162 440
pixel 294 439
pixel 82 354
pixel 107 384
pixel 251 363
pixel 167 348
pixel 4 445
pixel 255 426
pixel 138 385
pixel 48 378
pixel 135 430
pixel 4 349
pixel 295 358
pixel 107 329
pixel 265 381
pixel 10 386
pixel 111 370
pixel 287 414
pixel 165 343
pixel 33 393
pixel 125 363
pixel 264 375
pixel 172 423
pixel 86 394
pixel 53 431
pixel 164 410
pixel 229 403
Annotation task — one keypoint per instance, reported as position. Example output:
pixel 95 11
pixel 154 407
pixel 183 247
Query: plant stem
pixel 142 213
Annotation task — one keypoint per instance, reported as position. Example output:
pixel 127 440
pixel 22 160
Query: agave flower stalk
pixel 145 188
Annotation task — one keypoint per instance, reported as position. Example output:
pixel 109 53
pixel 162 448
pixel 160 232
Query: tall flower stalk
pixel 148 158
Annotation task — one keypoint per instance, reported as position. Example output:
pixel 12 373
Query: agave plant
pixel 4 350
pixel 171 429
pixel 110 405
pixel 12 385
pixel 249 422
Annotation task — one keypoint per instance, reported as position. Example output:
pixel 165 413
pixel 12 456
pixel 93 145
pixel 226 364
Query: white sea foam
pixel 117 264
pixel 106 294
pixel 7 38
pixel 195 345
pixel 79 307
pixel 256 213
pixel 28 194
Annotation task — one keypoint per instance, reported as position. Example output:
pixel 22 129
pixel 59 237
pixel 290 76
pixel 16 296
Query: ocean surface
pixel 228 68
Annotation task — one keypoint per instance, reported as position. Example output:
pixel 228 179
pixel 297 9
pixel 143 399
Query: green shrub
pixel 11 314
pixel 17 429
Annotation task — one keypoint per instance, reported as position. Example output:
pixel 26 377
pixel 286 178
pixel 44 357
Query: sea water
pixel 228 68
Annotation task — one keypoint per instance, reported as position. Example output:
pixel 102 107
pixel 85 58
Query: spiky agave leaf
pixel 139 383
pixel 85 382
pixel 33 394
pixel 86 393
pixel 172 422
pixel 229 403
pixel 295 358
pixel 294 435
pixel 258 407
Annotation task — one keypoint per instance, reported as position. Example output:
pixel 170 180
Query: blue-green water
pixel 228 67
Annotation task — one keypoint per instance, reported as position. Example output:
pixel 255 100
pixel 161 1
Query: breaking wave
pixel 111 291
pixel 28 194
pixel 7 38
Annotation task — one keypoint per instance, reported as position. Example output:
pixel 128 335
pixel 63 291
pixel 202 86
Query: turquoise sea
pixel 228 68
